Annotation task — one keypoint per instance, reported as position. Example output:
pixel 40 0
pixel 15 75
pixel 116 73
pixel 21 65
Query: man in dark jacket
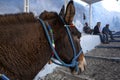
pixel 97 32
pixel 97 28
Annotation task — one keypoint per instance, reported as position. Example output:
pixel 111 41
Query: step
pixel 114 41
pixel 109 47
pixel 116 59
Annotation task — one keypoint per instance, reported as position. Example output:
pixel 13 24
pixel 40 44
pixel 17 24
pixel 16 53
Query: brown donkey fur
pixel 24 48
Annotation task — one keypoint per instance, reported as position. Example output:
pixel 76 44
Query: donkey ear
pixel 62 11
pixel 70 12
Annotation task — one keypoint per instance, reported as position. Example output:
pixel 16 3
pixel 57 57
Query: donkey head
pixel 62 42
pixel 68 16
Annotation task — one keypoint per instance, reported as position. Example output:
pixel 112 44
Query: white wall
pixel 88 42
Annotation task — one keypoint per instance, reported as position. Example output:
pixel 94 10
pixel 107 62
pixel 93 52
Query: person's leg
pixel 106 35
pixel 101 38
pixel 104 38
pixel 111 36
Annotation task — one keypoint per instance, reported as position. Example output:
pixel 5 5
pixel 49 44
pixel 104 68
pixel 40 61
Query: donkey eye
pixel 78 37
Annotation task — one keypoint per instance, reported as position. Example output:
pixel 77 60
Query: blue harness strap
pixel 74 62
pixel 3 77
pixel 51 33
pixel 70 37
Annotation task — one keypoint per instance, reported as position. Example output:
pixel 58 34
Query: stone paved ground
pixel 97 69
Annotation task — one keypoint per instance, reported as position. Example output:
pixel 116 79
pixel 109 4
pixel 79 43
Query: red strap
pixel 72 25
pixel 52 54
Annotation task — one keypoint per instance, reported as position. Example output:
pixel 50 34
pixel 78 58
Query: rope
pixel 74 62
pixel 70 37
pixel 51 33
pixel 50 42
pixel 3 77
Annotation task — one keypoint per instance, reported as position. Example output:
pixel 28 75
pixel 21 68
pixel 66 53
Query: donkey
pixel 24 48
pixel 62 48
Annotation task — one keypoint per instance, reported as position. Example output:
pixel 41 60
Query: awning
pixel 91 1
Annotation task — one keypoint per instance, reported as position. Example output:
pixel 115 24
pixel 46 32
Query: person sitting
pixel 107 32
pixel 87 29
pixel 96 31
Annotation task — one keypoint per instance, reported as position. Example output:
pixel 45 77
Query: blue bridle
pixel 74 62
pixel 3 77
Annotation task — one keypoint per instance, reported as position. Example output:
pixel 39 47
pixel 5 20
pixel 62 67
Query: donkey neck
pixel 56 26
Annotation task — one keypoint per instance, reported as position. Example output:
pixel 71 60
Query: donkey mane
pixel 19 18
pixel 48 15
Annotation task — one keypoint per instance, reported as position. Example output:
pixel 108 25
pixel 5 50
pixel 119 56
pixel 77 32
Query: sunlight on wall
pixel 81 2
pixel 111 5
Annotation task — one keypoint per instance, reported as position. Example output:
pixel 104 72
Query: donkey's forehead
pixel 48 15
